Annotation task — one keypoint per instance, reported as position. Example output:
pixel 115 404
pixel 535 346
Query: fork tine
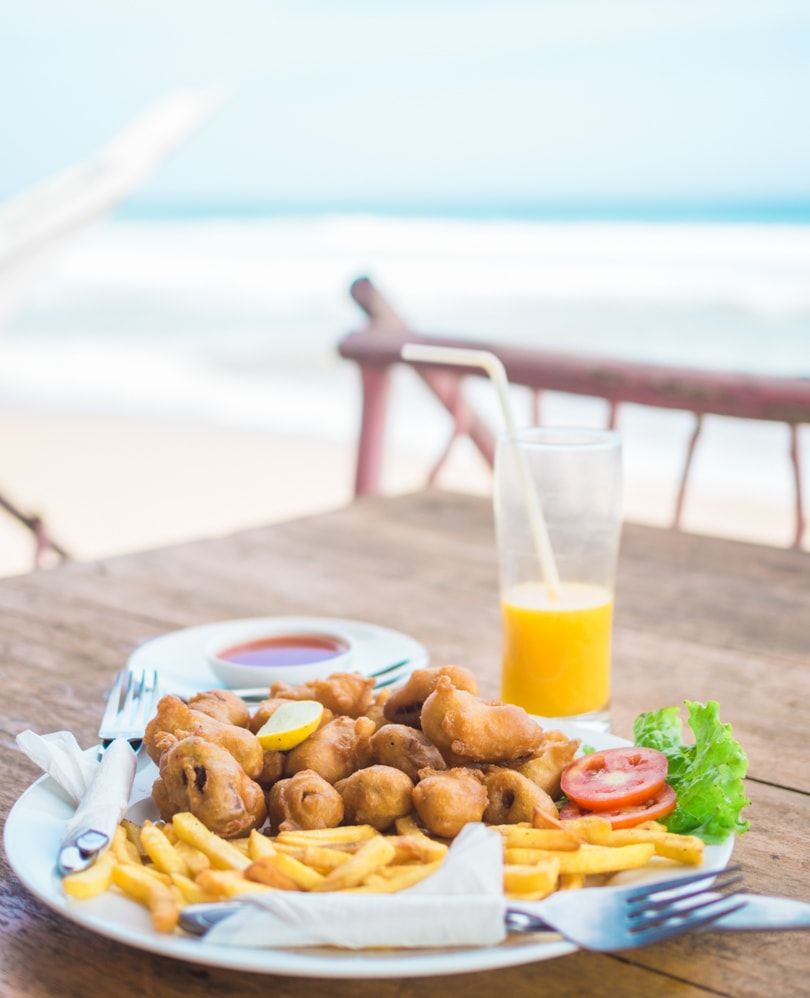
pixel 675 923
pixel 723 880
pixel 132 693
pixel 659 886
pixel 113 702
pixel 147 695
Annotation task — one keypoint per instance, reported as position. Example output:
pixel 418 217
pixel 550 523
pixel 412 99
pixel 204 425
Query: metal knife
pixel 90 830
pixel 762 912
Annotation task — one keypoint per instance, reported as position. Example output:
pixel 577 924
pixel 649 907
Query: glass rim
pixel 555 438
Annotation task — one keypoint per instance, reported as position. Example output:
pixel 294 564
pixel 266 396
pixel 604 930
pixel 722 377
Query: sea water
pixel 235 320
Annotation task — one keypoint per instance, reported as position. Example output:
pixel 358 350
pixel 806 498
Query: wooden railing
pixel 376 349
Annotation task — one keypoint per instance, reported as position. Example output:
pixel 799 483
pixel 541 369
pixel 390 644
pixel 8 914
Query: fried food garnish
pixel 265 710
pixel 202 777
pixel 467 729
pixel 305 800
pixel 446 800
pixel 376 796
pixel 404 706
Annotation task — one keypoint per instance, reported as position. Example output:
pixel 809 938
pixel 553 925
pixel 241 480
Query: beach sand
pixel 111 485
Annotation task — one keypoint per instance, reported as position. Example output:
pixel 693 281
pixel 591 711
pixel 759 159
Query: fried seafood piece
pixel 467 729
pixel 272 770
pixel 200 776
pixel 175 721
pixel 405 748
pixel 376 796
pixel 404 706
pixel 334 751
pixel 514 798
pixel 222 705
pixel 548 761
pixel 343 692
pixel 446 800
pixel 377 709
pixel 305 800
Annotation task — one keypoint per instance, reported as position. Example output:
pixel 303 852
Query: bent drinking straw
pixel 494 368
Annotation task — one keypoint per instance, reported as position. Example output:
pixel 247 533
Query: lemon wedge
pixel 290 725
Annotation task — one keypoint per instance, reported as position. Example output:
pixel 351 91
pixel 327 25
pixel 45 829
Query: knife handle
pixel 764 913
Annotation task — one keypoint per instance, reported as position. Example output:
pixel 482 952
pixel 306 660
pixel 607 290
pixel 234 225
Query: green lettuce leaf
pixel 707 776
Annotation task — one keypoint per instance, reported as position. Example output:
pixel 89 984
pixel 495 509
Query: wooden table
pixel 696 618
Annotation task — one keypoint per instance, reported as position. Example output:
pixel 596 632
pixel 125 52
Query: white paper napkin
pixel 105 802
pixel 58 754
pixel 462 904
pixel 99 790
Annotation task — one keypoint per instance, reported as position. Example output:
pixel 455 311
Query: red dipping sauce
pixel 285 649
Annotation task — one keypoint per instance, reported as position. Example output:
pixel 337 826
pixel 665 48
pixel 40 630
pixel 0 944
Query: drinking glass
pixel 557 608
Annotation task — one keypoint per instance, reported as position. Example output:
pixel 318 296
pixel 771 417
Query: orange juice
pixel 556 652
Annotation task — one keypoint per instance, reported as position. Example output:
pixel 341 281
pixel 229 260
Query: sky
pixel 424 102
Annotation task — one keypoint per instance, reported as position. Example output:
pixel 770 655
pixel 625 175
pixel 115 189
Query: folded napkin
pixel 99 790
pixel 58 754
pixel 462 904
pixel 105 801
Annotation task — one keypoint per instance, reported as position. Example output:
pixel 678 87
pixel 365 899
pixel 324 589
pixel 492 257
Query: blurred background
pixel 623 179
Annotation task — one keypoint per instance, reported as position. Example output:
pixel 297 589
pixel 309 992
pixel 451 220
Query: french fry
pixel 416 849
pixel 242 844
pixel 389 879
pixel 522 836
pixel 571 881
pixel 190 890
pixel 303 877
pixel 162 853
pixel 587 860
pixel 96 879
pixel 408 825
pixel 376 852
pixel 150 892
pixel 536 881
pixel 260 845
pixel 686 849
pixel 223 855
pixel 266 871
pixel 123 848
pixel 330 836
pixel 223 884
pixel 133 831
pixel 194 858
pixel 589 828
pixel 320 858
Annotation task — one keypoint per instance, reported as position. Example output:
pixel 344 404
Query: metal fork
pixel 129 706
pixel 598 919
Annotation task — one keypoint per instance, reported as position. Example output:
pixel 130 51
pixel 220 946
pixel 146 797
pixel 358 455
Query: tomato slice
pixel 662 804
pixel 618 777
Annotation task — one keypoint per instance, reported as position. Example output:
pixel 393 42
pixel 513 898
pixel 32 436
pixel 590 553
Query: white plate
pixel 31 839
pixel 180 660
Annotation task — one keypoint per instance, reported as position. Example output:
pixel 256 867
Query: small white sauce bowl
pixel 261 654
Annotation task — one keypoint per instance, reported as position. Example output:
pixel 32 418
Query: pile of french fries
pixel 167 866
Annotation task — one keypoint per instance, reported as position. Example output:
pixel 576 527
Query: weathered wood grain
pixel 696 618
